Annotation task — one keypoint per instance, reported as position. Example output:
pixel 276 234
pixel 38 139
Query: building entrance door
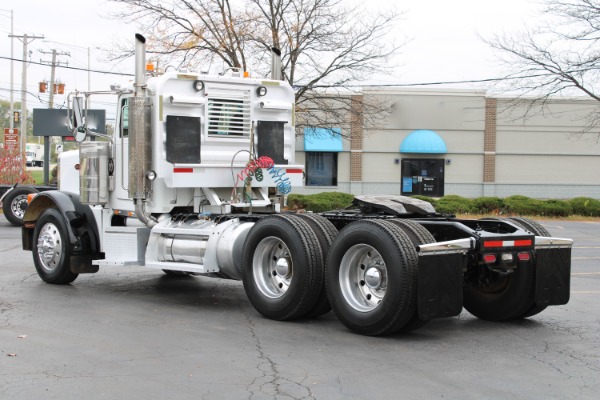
pixel 423 177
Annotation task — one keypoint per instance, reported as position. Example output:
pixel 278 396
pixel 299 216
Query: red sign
pixel 11 138
pixel 68 138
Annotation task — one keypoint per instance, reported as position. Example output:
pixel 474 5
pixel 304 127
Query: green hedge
pixel 452 204
pixel 585 206
pixel 319 202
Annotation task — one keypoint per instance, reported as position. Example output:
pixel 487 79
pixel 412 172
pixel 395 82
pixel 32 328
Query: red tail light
pixel 489 258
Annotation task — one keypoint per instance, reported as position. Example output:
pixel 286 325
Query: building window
pixel 321 168
pixel 423 177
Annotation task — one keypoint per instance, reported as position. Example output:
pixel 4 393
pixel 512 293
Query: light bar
pixel 507 243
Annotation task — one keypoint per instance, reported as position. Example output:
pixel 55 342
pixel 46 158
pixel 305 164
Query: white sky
pixel 444 43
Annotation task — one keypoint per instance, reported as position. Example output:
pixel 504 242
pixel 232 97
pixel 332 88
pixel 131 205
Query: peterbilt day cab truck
pixel 185 185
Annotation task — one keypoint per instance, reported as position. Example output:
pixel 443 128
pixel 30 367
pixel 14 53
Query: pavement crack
pixel 270 382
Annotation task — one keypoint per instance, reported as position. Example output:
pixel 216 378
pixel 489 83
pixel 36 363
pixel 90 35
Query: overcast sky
pixel 443 41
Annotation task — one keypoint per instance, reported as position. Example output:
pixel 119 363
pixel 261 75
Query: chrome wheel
pixel 49 247
pixel 363 277
pixel 18 206
pixel 272 267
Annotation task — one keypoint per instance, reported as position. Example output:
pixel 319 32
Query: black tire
pixel 281 270
pixel 380 252
pixel 534 227
pixel 502 298
pixel 15 204
pixel 51 249
pixel 326 233
pixel 418 235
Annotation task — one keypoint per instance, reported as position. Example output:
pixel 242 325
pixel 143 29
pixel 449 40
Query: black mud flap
pixel 553 276
pixel 82 263
pixel 440 285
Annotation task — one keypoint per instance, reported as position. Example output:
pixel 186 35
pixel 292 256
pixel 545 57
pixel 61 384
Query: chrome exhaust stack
pixel 140 136
pixel 276 73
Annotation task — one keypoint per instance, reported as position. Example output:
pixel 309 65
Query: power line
pixel 71 67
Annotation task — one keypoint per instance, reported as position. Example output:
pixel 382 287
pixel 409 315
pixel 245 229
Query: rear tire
pixel 371 277
pixel 52 250
pixel 326 233
pixel 502 298
pixel 418 235
pixel 281 271
pixel 15 204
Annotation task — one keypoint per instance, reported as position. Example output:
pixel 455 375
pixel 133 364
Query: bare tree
pixel 325 45
pixel 561 57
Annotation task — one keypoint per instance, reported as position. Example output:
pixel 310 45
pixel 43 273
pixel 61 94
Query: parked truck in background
pixel 188 184
pixel 34 154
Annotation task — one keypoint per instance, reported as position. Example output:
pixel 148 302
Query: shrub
pixel 296 201
pixel 556 208
pixel 320 202
pixel 453 204
pixel 585 206
pixel 522 205
pixel 487 205
pixel 12 168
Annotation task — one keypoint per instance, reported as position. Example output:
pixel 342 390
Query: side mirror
pixel 78 121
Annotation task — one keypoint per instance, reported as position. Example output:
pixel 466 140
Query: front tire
pixel 52 250
pixel 15 204
pixel 281 269
pixel 371 277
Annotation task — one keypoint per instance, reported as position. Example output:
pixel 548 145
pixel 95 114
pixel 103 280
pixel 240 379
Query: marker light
pixel 198 86
pixel 261 91
pixel 151 175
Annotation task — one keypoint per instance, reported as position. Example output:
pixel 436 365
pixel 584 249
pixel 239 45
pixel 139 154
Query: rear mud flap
pixel 440 285
pixel 553 276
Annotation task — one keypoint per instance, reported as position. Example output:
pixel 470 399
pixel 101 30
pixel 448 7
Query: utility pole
pixel 12 73
pixel 53 64
pixel 25 39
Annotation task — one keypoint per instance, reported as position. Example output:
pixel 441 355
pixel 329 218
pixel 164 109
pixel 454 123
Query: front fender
pixel 80 221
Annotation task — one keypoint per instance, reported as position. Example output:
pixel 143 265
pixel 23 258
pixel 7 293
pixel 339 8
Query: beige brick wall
pixel 356 139
pixel 489 141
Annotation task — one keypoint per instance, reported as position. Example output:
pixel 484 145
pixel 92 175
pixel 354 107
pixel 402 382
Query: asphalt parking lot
pixel 132 333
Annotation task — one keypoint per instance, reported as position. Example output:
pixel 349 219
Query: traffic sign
pixel 11 138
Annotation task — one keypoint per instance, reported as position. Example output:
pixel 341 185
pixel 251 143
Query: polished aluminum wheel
pixel 18 206
pixel 363 277
pixel 49 247
pixel 273 267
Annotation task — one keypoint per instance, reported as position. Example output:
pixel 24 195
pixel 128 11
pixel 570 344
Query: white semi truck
pixel 34 154
pixel 186 183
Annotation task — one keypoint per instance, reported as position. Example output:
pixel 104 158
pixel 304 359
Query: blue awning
pixel 423 141
pixel 322 139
